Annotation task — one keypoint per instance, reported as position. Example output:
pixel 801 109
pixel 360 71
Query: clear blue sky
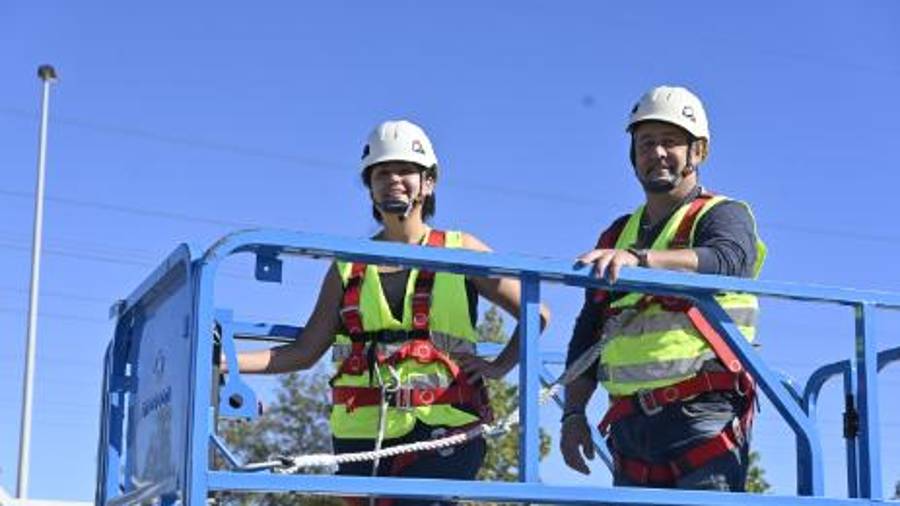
pixel 179 122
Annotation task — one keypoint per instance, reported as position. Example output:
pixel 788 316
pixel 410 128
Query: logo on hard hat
pixel 417 147
pixel 688 112
pixel 365 151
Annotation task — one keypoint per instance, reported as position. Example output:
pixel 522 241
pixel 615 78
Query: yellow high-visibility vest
pixel 451 331
pixel 650 347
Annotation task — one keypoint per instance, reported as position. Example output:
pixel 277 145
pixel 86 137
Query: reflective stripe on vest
pixel 648 346
pixel 445 342
pixel 658 373
pixel 632 322
pixel 450 326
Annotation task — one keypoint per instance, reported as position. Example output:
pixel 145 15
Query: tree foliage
pixel 756 476
pixel 296 423
pixel 502 461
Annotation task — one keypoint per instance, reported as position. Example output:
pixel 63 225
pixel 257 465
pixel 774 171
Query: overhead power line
pixel 152 213
pixel 57 316
pixel 301 161
pixel 112 258
pixel 82 256
pixel 311 162
pixel 61 295
pixel 183 141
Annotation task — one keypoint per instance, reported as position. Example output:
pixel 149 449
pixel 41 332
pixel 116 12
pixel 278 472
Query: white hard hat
pixel 398 140
pixel 672 104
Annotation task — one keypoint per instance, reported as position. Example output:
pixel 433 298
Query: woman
pixel 418 326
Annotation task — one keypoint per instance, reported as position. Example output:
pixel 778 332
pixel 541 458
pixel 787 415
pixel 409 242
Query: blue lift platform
pixel 161 395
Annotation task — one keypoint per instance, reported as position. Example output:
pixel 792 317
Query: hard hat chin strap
pixel 689 167
pixel 398 207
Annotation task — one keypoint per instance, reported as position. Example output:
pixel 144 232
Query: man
pixel 678 417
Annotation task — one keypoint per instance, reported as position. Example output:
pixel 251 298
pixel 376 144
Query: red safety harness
pixel 417 345
pixel 651 402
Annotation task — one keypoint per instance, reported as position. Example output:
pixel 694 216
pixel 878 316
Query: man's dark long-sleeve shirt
pixel 725 244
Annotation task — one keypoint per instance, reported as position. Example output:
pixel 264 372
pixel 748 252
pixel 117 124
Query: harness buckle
pixel 738 432
pixel 393 394
pixel 354 326
pixel 420 320
pixel 647 402
pixel 738 381
pixel 346 309
pixel 402 398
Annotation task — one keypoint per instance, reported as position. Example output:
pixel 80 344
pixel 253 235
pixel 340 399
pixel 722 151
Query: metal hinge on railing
pixel 851 417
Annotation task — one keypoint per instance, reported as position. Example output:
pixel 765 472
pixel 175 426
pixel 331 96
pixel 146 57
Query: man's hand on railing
pixel 575 442
pixel 611 260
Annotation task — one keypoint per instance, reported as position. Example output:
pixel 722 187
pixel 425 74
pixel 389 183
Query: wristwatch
pixel 641 255
pixel 569 415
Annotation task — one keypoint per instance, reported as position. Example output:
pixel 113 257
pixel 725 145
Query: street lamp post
pixel 47 74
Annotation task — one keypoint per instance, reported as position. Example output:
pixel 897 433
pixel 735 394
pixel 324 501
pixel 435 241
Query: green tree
pixel 296 423
pixel 502 460
pixel 756 476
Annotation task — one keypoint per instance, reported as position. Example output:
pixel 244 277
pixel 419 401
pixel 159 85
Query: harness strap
pixel 425 352
pixel 723 352
pixel 354 397
pixel 651 402
pixel 730 439
pixel 352 293
pixel 436 238
pixel 421 299
pixel 682 238
pixel 350 302
pixel 362 501
pixel 418 347
pixel 718 345
pixel 421 302
pixel 357 362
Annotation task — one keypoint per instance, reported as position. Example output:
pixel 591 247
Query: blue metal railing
pixel 135 392
pixel 846 369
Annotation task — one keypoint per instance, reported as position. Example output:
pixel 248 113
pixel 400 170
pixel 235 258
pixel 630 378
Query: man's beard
pixel 659 185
